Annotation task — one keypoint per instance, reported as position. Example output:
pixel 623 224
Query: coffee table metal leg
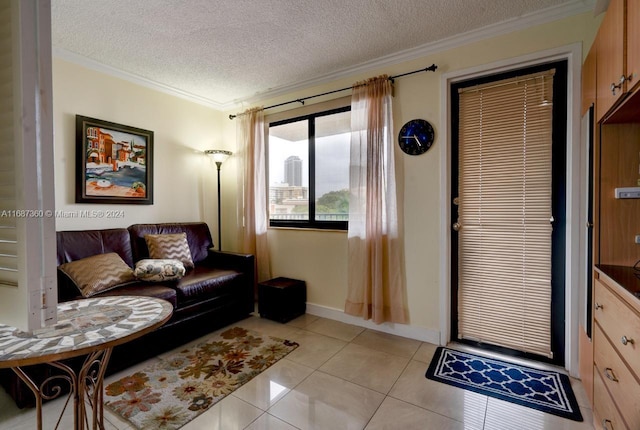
pixel 91 381
pixel 87 384
pixel 53 383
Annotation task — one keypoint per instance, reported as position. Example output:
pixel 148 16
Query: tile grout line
pixel 314 370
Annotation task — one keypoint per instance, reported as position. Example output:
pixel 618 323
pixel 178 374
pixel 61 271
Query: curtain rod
pixel 431 68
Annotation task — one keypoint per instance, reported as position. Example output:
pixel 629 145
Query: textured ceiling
pixel 226 51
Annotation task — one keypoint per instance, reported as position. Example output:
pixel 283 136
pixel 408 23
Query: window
pixel 309 170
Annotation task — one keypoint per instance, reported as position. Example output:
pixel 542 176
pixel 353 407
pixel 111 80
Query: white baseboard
pixel 412 332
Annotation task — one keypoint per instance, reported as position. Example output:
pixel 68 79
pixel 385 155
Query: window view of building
pixel 293 171
pixel 309 171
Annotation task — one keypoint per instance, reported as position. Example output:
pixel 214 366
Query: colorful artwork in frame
pixel 114 163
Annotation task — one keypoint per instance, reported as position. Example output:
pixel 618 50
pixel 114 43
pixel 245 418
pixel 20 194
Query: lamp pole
pixel 219 156
pixel 219 164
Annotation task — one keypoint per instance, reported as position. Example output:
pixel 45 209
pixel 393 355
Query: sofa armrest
pixel 244 263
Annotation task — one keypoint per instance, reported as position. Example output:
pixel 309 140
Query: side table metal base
pixel 86 384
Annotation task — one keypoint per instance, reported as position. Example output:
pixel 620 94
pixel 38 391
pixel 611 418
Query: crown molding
pixel 544 16
pixel 504 27
pixel 89 63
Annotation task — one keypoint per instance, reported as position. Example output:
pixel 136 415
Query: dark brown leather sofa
pixel 219 290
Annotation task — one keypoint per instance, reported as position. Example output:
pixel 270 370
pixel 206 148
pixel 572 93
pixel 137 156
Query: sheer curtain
pixel 252 209
pixel 376 287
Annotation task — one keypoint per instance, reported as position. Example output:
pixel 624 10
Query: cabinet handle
pixel 625 340
pixel 614 87
pixel 622 80
pixel 598 306
pixel 605 424
pixel 608 372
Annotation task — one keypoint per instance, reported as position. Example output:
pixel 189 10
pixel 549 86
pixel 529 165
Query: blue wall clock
pixel 416 137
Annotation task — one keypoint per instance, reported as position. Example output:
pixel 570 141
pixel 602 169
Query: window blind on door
pixel 8 240
pixel 505 210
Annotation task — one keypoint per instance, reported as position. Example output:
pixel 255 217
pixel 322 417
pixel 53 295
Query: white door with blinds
pixel 504 208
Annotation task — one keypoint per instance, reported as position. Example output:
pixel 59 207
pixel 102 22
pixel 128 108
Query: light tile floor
pixel 341 377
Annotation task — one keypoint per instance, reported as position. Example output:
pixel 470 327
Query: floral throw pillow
pixel 98 273
pixel 158 270
pixel 172 246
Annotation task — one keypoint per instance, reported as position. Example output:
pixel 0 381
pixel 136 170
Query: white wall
pixel 184 179
pixel 320 257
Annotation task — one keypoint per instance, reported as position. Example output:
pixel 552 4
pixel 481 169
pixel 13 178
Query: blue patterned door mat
pixel 544 390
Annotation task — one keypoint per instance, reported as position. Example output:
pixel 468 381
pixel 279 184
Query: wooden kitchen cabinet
pixel 610 360
pixel 616 349
pixel 633 44
pixel 610 47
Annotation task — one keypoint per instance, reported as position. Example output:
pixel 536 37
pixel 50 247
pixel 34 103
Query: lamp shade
pixel 218 155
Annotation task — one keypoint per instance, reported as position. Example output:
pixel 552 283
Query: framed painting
pixel 114 163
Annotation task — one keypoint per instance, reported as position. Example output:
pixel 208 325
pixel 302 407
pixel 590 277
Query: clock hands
pixel 413 137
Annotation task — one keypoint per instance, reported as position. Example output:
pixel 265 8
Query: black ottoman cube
pixel 282 299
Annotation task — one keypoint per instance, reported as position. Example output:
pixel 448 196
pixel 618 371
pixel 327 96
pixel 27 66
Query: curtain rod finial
pixel 232 116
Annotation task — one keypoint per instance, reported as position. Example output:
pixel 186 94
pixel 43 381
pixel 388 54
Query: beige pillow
pixel 98 273
pixel 172 246
pixel 159 270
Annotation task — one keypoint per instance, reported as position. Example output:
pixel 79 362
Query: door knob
pixel 456 226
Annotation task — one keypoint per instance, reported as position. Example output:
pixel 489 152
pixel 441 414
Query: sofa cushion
pixel 98 273
pixel 203 282
pixel 173 246
pixel 198 237
pixel 159 270
pixel 76 244
pixel 146 289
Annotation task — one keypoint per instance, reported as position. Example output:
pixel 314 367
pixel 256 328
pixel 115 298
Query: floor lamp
pixel 219 156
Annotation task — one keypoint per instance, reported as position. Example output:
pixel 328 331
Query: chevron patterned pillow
pixel 98 273
pixel 173 246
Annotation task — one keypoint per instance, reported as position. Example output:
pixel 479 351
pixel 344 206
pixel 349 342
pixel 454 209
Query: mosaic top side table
pixel 87 327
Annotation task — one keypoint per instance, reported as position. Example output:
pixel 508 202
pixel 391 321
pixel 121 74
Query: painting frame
pixel 114 163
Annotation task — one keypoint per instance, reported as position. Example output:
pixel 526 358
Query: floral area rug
pixel 175 390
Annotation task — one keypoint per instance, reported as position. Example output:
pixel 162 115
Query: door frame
pixel 576 188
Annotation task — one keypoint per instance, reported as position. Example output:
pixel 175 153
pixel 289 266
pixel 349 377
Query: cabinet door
pixel 610 59
pixel 633 43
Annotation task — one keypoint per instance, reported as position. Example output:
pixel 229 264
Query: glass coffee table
pixel 88 327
